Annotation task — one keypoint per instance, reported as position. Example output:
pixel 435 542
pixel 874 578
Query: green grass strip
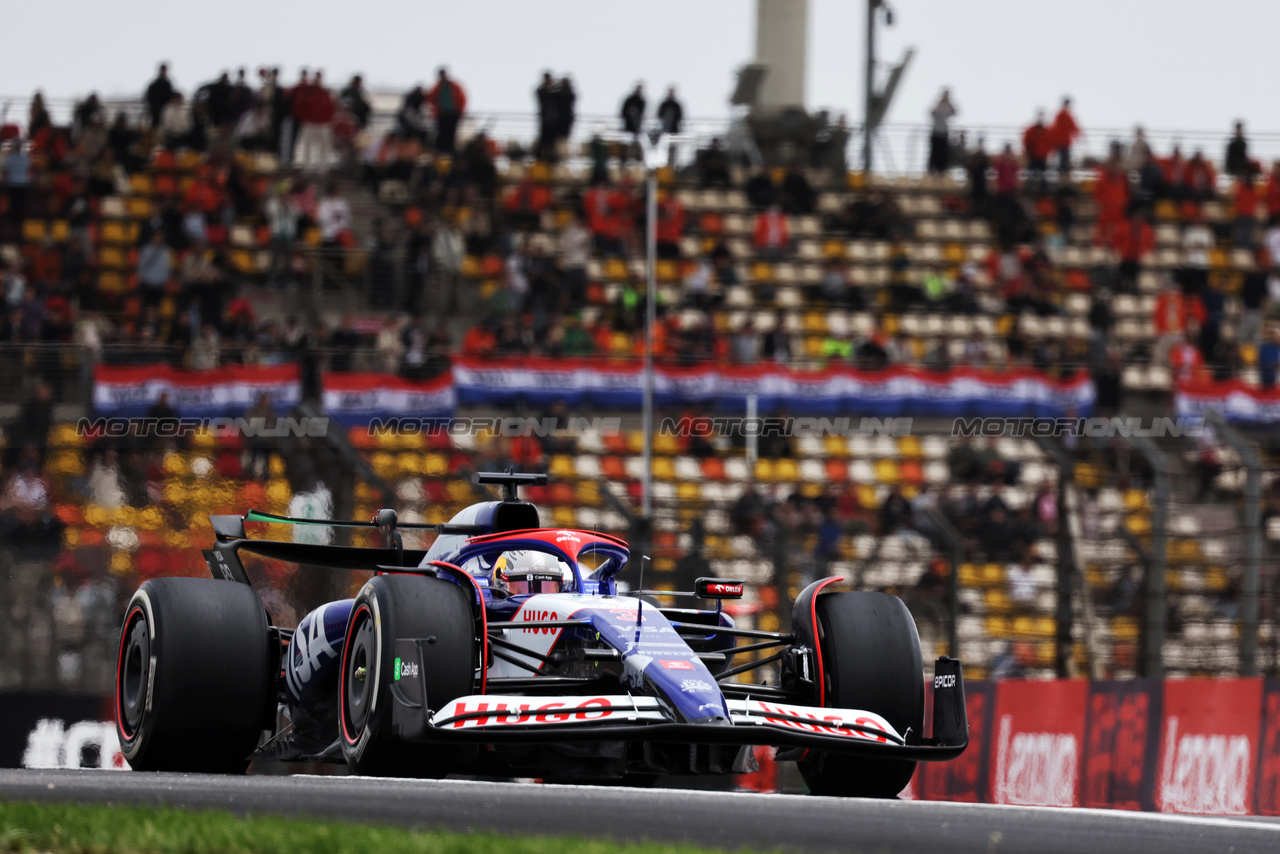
pixel 94 829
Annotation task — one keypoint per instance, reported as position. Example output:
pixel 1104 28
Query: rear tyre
pixel 387 608
pixel 871 660
pixel 194 676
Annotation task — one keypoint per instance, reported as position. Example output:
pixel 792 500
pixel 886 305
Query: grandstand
pixel 877 271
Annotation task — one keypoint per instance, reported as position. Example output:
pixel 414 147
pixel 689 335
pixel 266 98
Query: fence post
pixel 1155 612
pixel 955 545
pixel 1252 513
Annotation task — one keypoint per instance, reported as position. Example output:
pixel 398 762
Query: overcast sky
pixel 1177 64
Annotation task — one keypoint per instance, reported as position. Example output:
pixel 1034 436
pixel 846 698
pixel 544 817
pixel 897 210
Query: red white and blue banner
pixel 1233 399
pixel 358 398
pixel 897 391
pixel 224 392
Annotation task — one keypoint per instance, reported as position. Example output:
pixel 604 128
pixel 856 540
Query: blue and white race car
pixel 505 649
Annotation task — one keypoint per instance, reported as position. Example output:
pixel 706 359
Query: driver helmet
pixel 528 572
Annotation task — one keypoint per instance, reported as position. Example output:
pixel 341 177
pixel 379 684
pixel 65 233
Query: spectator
pixel 1006 174
pixel 1037 144
pixel 1253 299
pixel 334 218
pixel 713 167
pixel 1271 195
pixel 1111 196
pixel 525 203
pixel 1139 150
pixel 38 116
pixel 575 252
pixel 355 102
pixel 632 113
pixel 206 349
pixel 895 512
pixel 448 251
pixel 313 110
pixel 409 120
pixel 1133 240
pixel 1185 359
pixel 1246 210
pixel 567 110
pixel 547 96
pixel 154 269
pixel 670 113
pixel 282 221
pixel 448 103
pixel 1064 133
pixel 772 237
pixel 1021 583
pixel 158 95
pixel 797 196
pixel 1174 313
pixel 1236 161
pixel 939 137
pixel 177 130
pixel 1197 243
pixel 977 165
pixel 1269 357
pixel 1201 182
pixel 670 227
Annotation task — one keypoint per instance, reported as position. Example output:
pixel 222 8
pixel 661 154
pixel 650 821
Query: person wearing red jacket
pixel 1111 196
pixel 313 111
pixel 448 103
pixel 1272 192
pixel 1064 132
pixel 1176 317
pixel 772 237
pixel 1246 205
pixel 525 203
pixel 1037 145
pixel 670 226
pixel 603 220
pixel 1133 239
pixel 1201 180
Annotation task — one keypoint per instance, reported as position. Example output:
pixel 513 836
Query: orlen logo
pixel 539 616
pixel 1036 768
pixel 675 664
pixel 1205 774
pixel 947 680
pixel 725 589
pixel 569 536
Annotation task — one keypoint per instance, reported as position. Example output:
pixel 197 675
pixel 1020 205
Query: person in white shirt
pixel 940 118
pixel 1022 585
pixel 334 216
pixel 1197 243
pixel 575 251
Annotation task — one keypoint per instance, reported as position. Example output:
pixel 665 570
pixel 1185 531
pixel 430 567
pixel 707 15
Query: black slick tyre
pixel 194 686
pixel 387 608
pixel 871 661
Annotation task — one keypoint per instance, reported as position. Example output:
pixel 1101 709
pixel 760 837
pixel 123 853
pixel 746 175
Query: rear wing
pixel 224 562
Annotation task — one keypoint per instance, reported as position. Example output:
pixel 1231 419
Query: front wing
pixel 498 719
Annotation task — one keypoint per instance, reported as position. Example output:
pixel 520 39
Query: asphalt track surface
pixel 757 822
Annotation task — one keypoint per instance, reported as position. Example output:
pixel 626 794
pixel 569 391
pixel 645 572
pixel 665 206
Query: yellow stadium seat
pixel 615 269
pixel 665 444
pixel 33 231
pixel 688 492
pixel 113 231
pixel 867 495
pixel 587 493
pixel 564 517
pixel 968 575
pixel 909 447
pixel 765 470
pixel 664 468
pixel 886 471
pixel 786 471
pixel 562 468
pixel 835 446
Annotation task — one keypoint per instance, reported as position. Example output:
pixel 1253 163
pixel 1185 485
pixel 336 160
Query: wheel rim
pixel 134 674
pixel 358 678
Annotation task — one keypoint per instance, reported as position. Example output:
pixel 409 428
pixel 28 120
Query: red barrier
pixel 1209 746
pixel 1037 742
pixel 1269 755
pixel 1120 745
pixel 964 778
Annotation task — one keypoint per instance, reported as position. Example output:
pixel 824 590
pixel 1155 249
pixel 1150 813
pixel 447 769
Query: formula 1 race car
pixel 506 650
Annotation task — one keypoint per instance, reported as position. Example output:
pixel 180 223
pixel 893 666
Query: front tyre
pixel 193 676
pixel 387 608
pixel 871 661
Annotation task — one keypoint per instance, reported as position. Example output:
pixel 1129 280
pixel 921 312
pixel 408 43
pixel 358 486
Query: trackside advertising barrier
pixel 1196 746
